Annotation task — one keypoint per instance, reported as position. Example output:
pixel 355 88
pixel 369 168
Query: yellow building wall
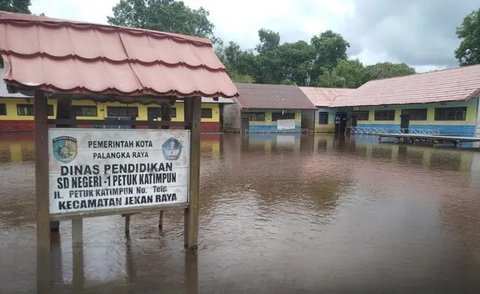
pixel 470 117
pixel 11 107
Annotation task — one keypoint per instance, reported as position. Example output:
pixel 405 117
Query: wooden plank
pixel 77 231
pixel 41 191
pixel 191 272
pixel 64 111
pixel 77 249
pixel 192 213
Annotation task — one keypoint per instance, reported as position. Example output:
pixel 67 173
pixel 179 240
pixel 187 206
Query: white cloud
pixel 420 33
pixel 94 11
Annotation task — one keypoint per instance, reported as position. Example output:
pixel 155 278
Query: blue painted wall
pixel 458 130
pixel 272 129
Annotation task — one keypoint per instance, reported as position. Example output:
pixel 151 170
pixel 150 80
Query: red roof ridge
pixel 424 73
pixel 81 58
pixel 104 58
pixel 49 22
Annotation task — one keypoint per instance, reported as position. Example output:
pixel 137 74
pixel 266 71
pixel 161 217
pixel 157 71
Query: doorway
pixel 340 122
pixel 404 122
pixel 245 123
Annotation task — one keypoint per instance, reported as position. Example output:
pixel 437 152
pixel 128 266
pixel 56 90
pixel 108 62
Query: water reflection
pixel 279 213
pixel 16 147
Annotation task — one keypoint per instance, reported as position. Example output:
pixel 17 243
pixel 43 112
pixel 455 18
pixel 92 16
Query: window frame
pixel 360 117
pixel 128 108
pixel 206 112
pixel 417 112
pixel 463 114
pixel 284 115
pixel 3 109
pixel 30 112
pixel 76 109
pixel 384 118
pixel 255 116
pixel 323 117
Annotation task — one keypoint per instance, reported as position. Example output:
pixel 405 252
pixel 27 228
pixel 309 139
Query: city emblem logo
pixel 171 149
pixel 65 148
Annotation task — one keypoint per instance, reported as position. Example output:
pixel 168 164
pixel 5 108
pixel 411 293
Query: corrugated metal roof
pixel 74 57
pixel 456 84
pixel 262 96
pixel 323 97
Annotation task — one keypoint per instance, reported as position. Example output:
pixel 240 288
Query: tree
pixel 240 64
pixel 20 6
pixel 388 70
pixel 346 74
pixel 329 48
pixel 269 41
pixel 469 32
pixel 268 69
pixel 295 60
pixel 162 15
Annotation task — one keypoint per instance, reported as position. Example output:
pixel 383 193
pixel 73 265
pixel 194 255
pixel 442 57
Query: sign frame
pixel 85 156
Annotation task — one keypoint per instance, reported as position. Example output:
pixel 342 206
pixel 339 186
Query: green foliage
pixel 269 41
pixel 352 73
pixel 267 62
pixel 329 47
pixel 388 70
pixel 162 15
pixel 331 79
pixel 20 6
pixel 295 61
pixel 322 63
pixel 238 62
pixel 246 79
pixel 346 74
pixel 468 52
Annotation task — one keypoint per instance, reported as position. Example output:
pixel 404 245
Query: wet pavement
pixel 278 214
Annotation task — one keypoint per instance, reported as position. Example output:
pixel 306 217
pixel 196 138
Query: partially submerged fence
pixel 380 131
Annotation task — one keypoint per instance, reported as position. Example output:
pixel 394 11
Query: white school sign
pixel 103 169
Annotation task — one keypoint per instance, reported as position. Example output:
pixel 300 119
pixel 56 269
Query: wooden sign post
pixel 41 191
pixel 54 196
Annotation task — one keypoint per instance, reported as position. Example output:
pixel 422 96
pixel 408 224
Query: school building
pixel 445 102
pixel 16 111
pixel 263 108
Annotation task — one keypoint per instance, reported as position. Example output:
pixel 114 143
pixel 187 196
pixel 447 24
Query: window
pixel 173 112
pixel 286 115
pixel 27 110
pixel 122 111
pixel 84 110
pixel 416 114
pixel 323 118
pixel 3 109
pixel 154 113
pixel 255 116
pixel 451 113
pixel 384 114
pixel 206 113
pixel 362 115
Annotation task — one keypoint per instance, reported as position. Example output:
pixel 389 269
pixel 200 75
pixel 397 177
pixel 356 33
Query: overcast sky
pixel 420 33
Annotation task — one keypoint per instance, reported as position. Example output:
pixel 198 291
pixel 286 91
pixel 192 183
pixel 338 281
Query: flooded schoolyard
pixel 278 214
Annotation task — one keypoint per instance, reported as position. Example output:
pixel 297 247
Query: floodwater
pixel 279 214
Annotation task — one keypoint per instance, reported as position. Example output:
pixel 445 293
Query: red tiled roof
pixel 455 84
pixel 262 96
pixel 74 57
pixel 323 97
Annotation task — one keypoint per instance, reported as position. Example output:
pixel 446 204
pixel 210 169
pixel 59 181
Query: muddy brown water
pixel 279 214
